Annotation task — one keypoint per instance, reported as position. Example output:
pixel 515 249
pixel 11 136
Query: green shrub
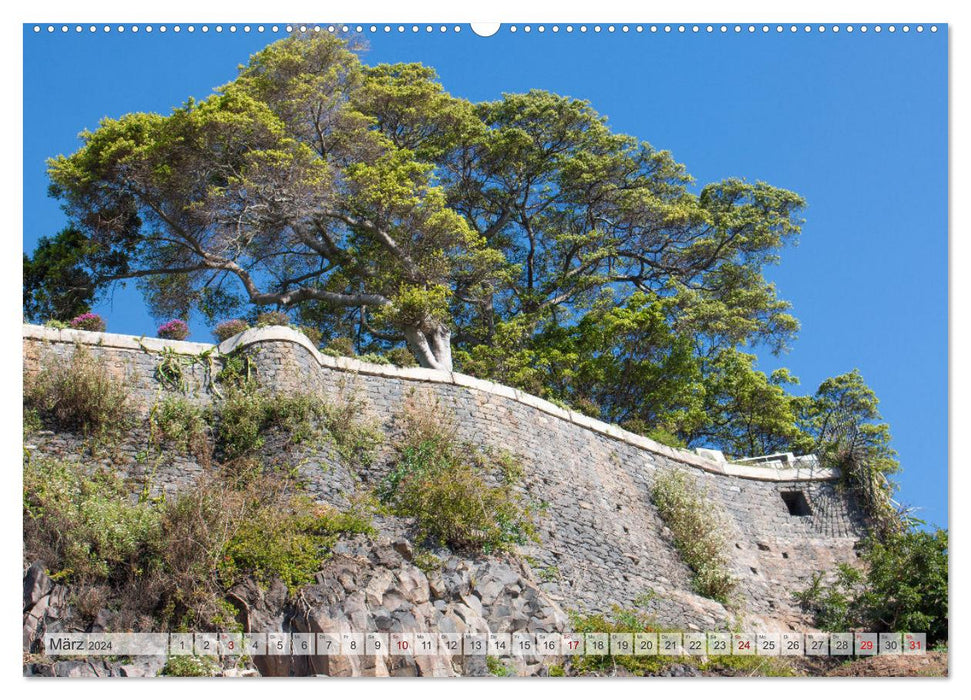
pixel 698 529
pixel 56 325
pixel 237 369
pixel 285 536
pixel 401 357
pixel 189 667
pixel 78 395
pixel 833 605
pixel 340 347
pixel 901 587
pixel 356 436
pixel 174 559
pixel 85 525
pixel 618 621
pixel 248 413
pixel 176 422
pixel 313 335
pixel 374 358
pixel 496 667
pixel 227 329
pixel 458 496
pixel 426 560
pixel 32 421
pixel 742 665
pixel 272 318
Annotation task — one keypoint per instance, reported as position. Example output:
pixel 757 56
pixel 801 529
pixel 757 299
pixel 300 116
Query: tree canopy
pixel 521 240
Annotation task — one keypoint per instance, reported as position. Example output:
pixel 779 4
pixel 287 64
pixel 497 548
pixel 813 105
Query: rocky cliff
pixel 601 544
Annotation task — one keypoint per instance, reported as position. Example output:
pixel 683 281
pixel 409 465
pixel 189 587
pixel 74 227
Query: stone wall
pixel 602 541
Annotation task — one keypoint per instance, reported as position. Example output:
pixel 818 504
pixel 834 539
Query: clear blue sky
pixel 855 123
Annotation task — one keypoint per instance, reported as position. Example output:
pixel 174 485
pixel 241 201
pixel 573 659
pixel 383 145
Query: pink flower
pixel 88 322
pixel 176 329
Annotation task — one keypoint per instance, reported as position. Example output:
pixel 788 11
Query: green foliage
pixel 458 496
pixel 844 421
pixel 658 435
pixel 78 395
pixel 902 587
pixel 227 329
pixel 84 524
pixel 748 412
pixel 401 357
pixel 834 605
pixel 32 421
pixel 698 530
pixel 426 561
pixel 341 347
pixel 498 668
pixel 170 370
pixel 238 369
pixel 386 205
pixel 58 284
pixel 174 559
pixel 248 413
pixel 356 436
pixel 374 358
pixel 176 422
pixel 742 665
pixel 313 335
pixel 618 621
pixel 287 543
pixel 189 667
pixel 224 530
pixel 843 417
pixel 272 318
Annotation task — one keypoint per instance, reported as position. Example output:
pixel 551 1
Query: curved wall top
pixel 283 334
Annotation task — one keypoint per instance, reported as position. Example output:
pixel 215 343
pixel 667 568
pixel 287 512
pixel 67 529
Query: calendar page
pixel 439 349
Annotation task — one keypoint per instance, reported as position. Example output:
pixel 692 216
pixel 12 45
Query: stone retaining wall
pixel 602 541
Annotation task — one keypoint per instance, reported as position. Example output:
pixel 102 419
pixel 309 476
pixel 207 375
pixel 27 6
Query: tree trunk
pixel 432 348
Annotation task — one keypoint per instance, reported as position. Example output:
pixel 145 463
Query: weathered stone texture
pixel 602 541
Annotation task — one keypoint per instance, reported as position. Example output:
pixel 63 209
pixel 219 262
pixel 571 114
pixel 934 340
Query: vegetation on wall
pixel 902 586
pixel 458 495
pixel 249 413
pixel 519 240
pixel 177 423
pixel 698 529
pixel 636 620
pixel 174 559
pixel 522 236
pixel 78 394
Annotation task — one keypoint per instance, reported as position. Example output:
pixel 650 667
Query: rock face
pixel 601 541
pixel 366 586
pixel 374 587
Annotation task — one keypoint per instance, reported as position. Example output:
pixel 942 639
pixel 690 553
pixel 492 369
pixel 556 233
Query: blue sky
pixel 856 123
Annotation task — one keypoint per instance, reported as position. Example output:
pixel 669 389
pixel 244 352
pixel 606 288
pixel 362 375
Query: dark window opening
pixel 796 503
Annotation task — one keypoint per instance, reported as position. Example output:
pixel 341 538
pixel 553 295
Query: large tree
pixel 369 196
pixel 280 187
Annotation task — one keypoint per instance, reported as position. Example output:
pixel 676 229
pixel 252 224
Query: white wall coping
pixel 266 334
